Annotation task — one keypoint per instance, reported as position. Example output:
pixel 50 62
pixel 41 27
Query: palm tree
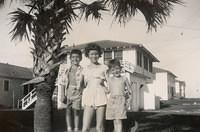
pixel 46 24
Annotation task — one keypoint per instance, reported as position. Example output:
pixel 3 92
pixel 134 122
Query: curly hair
pixel 92 46
pixel 76 51
pixel 114 62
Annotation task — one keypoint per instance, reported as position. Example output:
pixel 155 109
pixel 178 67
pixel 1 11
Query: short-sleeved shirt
pixel 94 93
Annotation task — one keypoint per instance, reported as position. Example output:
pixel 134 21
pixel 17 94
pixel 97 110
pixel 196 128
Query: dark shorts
pixel 75 104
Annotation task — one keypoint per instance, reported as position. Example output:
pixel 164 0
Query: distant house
pixel 180 88
pixel 137 63
pixel 11 78
pixel 164 84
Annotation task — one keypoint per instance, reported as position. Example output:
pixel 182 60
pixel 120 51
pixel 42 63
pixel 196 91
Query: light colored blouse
pixel 94 93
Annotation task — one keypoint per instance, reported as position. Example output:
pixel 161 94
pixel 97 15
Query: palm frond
pixel 2 2
pixel 22 24
pixel 69 14
pixel 157 13
pixel 122 9
pixel 93 10
pixel 154 11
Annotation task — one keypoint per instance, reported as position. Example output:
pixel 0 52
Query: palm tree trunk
pixel 43 109
pixel 44 91
pixel 45 62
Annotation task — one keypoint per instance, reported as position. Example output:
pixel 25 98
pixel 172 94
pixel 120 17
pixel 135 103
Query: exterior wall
pixel 160 86
pixel 164 86
pixel 143 97
pixel 180 89
pixel 171 86
pixel 14 93
pixel 177 88
pixel 130 56
pixel 152 101
pixel 141 69
pixel 137 102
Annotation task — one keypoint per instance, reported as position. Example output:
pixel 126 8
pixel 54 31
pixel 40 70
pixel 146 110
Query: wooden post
pixel 13 99
pixel 23 103
pixel 18 101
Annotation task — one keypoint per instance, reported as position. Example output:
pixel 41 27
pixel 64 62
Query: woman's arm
pixel 63 97
pixel 106 88
pixel 106 81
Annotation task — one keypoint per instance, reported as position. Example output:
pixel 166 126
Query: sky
pixel 175 44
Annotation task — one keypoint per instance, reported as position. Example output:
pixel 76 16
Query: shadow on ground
pixel 22 121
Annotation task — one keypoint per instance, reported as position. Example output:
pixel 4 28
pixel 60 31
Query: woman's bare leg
pixel 100 116
pixel 87 118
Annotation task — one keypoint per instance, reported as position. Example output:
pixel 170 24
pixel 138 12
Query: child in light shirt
pixel 119 88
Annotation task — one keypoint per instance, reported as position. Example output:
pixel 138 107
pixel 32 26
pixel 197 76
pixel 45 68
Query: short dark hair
pixel 114 62
pixel 76 51
pixel 92 46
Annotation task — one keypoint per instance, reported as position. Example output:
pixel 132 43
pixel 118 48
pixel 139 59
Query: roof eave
pixel 147 51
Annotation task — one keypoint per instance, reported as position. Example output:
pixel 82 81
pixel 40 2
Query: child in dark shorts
pixel 72 89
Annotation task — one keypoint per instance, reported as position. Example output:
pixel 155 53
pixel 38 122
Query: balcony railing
pixel 127 66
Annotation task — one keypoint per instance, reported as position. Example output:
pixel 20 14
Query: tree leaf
pixel 93 10
pixel 22 24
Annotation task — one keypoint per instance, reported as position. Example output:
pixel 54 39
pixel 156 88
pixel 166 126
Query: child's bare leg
pixel 68 119
pixel 87 118
pixel 76 120
pixel 118 125
pixel 100 114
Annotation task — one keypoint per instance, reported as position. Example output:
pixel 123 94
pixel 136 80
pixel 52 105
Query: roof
pixel 12 71
pixel 110 44
pixel 160 70
pixel 179 81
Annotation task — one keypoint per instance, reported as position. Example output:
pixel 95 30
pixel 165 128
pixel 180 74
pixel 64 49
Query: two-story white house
pixel 11 78
pixel 138 65
pixel 164 84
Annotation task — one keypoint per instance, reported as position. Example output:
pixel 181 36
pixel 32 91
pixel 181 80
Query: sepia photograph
pixel 99 66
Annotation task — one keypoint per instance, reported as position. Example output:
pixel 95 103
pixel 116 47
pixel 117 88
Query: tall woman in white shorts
pixel 94 95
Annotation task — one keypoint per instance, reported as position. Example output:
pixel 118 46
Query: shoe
pixel 69 129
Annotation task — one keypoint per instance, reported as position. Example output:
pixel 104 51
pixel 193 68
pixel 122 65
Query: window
pixel 118 55
pixel 139 58
pixel 6 85
pixel 150 66
pixel 146 63
pixel 107 56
